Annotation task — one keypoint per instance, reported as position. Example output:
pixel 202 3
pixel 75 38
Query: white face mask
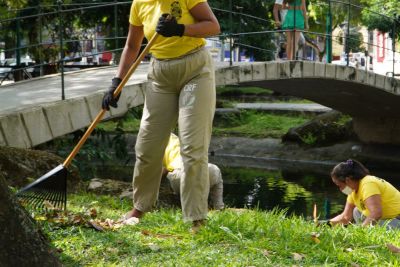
pixel 347 190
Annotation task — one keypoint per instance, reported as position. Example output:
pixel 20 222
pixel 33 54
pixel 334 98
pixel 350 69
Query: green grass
pixel 231 238
pixel 247 123
pixel 236 90
pixel 256 124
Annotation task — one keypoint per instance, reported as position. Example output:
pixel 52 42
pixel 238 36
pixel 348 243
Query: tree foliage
pixel 257 45
pixel 341 14
pixel 381 15
pixel 247 16
pixel 319 10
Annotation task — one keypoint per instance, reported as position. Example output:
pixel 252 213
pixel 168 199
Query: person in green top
pixel 295 21
pixel 370 200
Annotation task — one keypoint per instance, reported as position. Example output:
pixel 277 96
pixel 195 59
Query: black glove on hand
pixel 108 98
pixel 169 27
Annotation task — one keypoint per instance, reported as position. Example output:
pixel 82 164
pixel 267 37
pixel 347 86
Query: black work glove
pixel 169 27
pixel 108 98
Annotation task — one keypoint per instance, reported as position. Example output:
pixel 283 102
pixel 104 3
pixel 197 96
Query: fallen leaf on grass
pixel 93 213
pixel 298 256
pixel 314 237
pixel 78 219
pixel 112 250
pixel 393 248
pixel 154 247
pixel 148 233
pixel 353 264
pixel 96 226
pixel 267 253
pixel 348 249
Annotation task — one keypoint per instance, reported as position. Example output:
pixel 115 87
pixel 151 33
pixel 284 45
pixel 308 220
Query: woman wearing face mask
pixel 370 200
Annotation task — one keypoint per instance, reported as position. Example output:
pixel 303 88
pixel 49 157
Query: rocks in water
pixel 22 166
pixel 108 186
pixel 326 129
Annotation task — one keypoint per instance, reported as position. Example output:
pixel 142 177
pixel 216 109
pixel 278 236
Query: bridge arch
pixel 372 100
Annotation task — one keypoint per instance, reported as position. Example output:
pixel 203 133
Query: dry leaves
pixel 86 218
pixel 148 233
pixel 267 253
pixel 393 248
pixel 298 256
pixel 314 237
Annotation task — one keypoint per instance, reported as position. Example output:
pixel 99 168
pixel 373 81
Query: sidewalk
pixel 20 95
pixel 284 107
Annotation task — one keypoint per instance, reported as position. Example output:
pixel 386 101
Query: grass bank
pixel 232 237
pixel 247 123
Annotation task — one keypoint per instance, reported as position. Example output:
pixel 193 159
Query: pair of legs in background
pixel 293 24
pixel 182 90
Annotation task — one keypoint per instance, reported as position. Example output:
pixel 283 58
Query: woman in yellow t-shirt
pixel 370 200
pixel 181 74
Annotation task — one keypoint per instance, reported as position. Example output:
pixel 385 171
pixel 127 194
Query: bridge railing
pixel 55 43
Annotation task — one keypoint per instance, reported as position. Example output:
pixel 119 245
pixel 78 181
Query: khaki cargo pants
pixel 182 90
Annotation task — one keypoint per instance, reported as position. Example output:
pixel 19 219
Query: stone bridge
pixel 30 113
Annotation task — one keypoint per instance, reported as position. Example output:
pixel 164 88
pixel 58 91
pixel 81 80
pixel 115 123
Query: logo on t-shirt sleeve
pixel 176 10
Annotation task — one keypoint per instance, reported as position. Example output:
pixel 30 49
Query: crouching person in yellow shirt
pixel 173 170
pixel 370 200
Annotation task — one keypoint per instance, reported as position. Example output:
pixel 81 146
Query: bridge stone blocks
pixel 356 92
pixel 309 69
pixel 93 102
pixel 132 96
pixel 319 69
pixel 392 85
pixel 36 125
pixel 272 71
pixel 14 131
pixel 330 71
pixel 259 71
pixel 361 76
pixel 2 140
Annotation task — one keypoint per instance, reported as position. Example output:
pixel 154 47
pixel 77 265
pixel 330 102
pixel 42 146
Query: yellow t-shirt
pixel 172 157
pixel 147 12
pixel 371 185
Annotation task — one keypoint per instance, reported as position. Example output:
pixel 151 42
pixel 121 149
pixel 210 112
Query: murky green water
pixel 295 192
pixel 293 186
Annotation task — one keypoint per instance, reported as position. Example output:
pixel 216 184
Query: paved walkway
pixel 285 107
pixel 20 95
pixel 47 89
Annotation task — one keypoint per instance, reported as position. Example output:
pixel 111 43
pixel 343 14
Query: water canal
pixel 268 183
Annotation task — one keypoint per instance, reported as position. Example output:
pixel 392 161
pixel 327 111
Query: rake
pixel 50 190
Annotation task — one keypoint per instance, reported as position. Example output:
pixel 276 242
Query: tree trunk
pixel 21 241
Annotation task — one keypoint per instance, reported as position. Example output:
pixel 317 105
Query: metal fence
pixel 60 50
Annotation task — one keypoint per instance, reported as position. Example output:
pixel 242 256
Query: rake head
pixel 48 190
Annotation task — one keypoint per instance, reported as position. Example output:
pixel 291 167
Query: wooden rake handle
pixel 116 92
